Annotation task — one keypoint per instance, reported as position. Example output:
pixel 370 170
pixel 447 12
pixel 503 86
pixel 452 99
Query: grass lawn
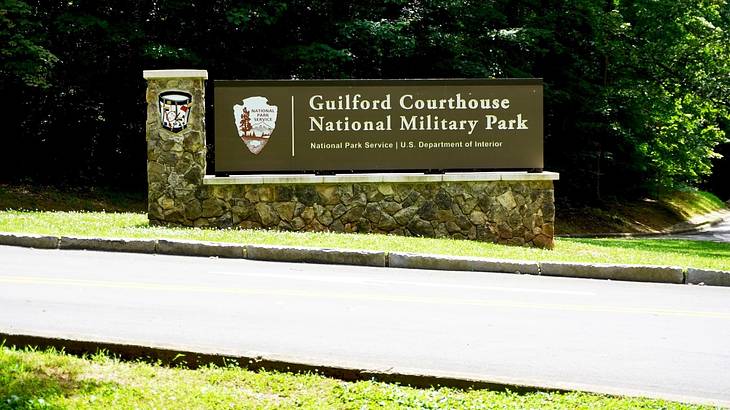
pixel 58 214
pixel 39 197
pixel 637 215
pixel 52 380
pixel 134 225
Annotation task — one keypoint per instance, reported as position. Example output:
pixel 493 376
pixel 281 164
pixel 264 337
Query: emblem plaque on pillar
pixel 255 121
pixel 175 110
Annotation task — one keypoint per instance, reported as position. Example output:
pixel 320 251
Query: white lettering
pixel 315 122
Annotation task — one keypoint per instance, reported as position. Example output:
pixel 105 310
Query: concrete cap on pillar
pixel 148 74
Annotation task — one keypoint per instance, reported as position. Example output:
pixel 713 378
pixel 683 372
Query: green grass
pixel 690 203
pixel 51 380
pixel 636 216
pixel 696 254
pixel 38 197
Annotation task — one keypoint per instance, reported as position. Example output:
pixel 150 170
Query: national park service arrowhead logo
pixel 255 122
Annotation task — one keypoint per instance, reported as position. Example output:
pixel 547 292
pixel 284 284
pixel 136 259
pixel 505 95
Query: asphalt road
pixel 657 340
pixel 717 233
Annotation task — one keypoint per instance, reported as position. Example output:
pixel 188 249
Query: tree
pixel 671 64
pixel 245 125
pixel 23 56
pixel 636 92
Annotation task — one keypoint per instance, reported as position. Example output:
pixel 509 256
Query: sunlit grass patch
pixel 691 203
pixel 50 379
pixel 682 253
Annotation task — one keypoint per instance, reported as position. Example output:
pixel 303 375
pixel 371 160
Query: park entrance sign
pixel 377 125
pixel 458 159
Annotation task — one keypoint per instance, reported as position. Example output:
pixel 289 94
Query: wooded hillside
pixel 637 93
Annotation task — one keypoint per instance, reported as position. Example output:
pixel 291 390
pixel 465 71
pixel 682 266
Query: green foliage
pixel 671 84
pixel 636 92
pixel 164 52
pixel 23 56
pixel 263 14
pixel 316 60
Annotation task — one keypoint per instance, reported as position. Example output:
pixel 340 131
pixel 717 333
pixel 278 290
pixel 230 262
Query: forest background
pixel 637 93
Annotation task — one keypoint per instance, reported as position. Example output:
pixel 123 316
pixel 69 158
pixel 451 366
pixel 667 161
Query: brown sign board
pixel 377 125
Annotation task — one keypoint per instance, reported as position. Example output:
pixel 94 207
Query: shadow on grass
pixel 678 246
pixel 45 198
pixel 27 382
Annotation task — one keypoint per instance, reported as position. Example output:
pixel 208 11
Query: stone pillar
pixel 175 144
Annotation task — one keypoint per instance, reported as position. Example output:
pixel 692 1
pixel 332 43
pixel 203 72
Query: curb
pixel 418 261
pixel 29 240
pixel 108 245
pixel 195 248
pixel 708 277
pixel 635 273
pixel 313 255
pixel 623 272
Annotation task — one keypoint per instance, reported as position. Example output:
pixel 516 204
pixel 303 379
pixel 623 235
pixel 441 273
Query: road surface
pixel 716 233
pixel 657 340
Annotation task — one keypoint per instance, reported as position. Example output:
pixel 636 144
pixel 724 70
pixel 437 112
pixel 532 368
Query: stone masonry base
pixel 507 212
